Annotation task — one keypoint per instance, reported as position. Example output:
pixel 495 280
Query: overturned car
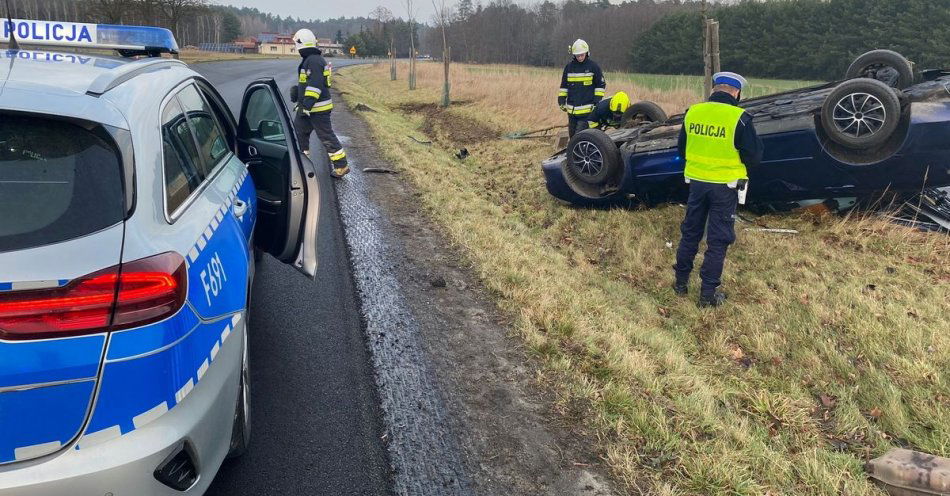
pixel 884 128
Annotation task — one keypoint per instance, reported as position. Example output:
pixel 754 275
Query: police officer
pixel 718 142
pixel 314 106
pixel 609 112
pixel 582 87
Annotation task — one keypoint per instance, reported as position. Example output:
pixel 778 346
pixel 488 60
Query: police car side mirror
pixel 270 131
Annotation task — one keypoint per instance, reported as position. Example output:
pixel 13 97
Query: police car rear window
pixel 58 181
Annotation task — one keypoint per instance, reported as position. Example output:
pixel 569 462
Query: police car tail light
pixel 150 289
pixel 81 305
pixel 130 295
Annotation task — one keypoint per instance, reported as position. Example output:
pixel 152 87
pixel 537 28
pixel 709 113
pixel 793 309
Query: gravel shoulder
pixel 501 413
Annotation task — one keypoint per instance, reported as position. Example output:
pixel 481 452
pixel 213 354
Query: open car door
pixel 288 197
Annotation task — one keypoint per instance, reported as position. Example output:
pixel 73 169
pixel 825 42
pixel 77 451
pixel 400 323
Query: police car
pixel 131 207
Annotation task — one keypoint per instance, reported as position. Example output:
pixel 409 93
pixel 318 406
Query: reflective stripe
pixel 311 91
pixel 594 125
pixel 302 78
pixel 321 107
pixel 562 92
pixel 309 44
pixel 599 91
pixel 337 156
pixel 579 109
pixel 326 72
pixel 580 74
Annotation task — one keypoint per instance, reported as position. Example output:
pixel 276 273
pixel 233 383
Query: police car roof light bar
pixel 127 40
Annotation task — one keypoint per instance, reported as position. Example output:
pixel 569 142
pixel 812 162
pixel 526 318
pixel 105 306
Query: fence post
pixel 392 63
pixel 714 45
pixel 707 59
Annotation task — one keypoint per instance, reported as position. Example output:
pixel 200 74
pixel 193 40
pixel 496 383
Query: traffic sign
pixel 352 50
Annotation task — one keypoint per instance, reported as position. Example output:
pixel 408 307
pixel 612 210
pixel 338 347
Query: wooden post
pixel 707 58
pixel 392 59
pixel 714 45
pixel 446 57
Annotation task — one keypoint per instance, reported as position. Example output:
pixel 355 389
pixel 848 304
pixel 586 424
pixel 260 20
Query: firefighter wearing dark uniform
pixel 314 105
pixel 582 86
pixel 609 112
pixel 718 143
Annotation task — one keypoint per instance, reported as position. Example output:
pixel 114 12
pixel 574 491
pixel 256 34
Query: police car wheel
pixel 241 430
pixel 861 113
pixel 886 66
pixel 593 163
pixel 641 112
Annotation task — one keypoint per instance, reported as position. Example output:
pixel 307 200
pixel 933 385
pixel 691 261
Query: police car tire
pixel 640 112
pixel 867 65
pixel 884 94
pixel 588 185
pixel 241 430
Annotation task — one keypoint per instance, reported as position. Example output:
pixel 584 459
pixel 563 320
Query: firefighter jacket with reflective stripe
pixel 582 86
pixel 313 84
pixel 711 153
pixel 602 116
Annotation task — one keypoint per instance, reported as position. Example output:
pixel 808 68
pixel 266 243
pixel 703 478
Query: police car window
pixel 58 181
pixel 212 145
pixel 263 117
pixel 180 156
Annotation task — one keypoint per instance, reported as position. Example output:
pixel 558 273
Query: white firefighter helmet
pixel 304 38
pixel 579 47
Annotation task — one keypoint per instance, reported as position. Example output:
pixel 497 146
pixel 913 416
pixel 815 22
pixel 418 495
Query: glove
pixel 293 93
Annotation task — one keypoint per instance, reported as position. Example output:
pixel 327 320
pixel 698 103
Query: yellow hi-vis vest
pixel 711 154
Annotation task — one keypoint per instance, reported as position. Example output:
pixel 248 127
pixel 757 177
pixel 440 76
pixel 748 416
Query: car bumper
pixel 125 465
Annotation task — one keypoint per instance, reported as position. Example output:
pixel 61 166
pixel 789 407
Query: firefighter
pixel 582 87
pixel 609 112
pixel 314 105
pixel 719 143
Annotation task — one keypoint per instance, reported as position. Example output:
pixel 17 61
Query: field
pixel 832 349
pixel 196 56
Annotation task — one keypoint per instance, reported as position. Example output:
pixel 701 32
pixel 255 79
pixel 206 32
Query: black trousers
pixel 320 123
pixel 576 123
pixel 710 208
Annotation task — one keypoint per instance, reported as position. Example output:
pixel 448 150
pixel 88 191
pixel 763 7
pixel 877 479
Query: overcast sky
pixel 324 9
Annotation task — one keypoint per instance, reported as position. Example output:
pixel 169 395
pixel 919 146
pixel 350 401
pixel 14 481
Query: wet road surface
pixel 317 425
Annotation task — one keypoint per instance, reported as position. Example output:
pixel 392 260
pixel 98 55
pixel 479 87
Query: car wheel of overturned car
pixel 886 66
pixel 641 112
pixel 593 163
pixel 861 113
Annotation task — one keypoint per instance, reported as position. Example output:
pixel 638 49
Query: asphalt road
pixel 316 422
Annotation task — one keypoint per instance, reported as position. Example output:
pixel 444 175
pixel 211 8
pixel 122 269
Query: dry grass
pixel 833 348
pixel 196 56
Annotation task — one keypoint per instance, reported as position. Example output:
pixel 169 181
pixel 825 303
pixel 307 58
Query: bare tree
pixel 412 45
pixel 111 11
pixel 177 10
pixel 442 18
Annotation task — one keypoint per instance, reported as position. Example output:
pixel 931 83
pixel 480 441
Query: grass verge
pixel 197 56
pixel 833 348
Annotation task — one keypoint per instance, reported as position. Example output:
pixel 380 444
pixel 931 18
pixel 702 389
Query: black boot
pixel 680 288
pixel 715 299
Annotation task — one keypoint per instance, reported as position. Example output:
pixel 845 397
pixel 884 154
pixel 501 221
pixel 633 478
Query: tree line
pixel 798 39
pixel 507 32
pixel 792 39
pixel 198 21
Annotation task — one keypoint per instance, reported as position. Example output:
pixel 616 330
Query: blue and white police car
pixel 132 204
